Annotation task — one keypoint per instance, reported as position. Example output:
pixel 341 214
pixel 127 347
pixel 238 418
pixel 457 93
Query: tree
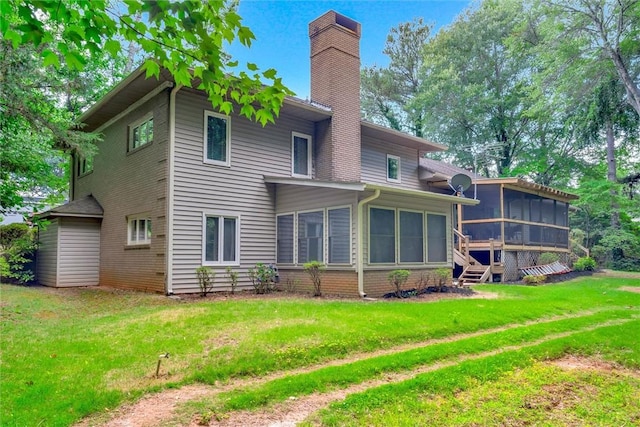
pixel 47 42
pixel 388 94
pixel 591 32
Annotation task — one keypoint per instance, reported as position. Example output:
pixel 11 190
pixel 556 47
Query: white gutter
pixel 359 255
pixel 170 189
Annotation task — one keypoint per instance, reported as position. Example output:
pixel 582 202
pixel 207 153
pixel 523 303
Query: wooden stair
pixel 473 274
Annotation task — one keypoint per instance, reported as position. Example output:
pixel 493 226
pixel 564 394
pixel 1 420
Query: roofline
pixel 50 214
pixel 423 194
pixel 306 105
pixel 432 145
pixel 351 186
pixel 518 182
pixel 112 93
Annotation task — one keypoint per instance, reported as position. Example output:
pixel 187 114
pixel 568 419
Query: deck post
pixel 467 255
pixel 491 253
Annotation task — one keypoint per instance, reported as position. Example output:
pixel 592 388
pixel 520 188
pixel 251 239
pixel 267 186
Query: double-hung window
pixel 141 132
pixel 221 240
pixel 310 236
pixel 139 232
pixel 393 168
pixel 217 138
pixel 301 155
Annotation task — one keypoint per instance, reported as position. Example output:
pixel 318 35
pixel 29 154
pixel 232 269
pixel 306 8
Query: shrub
pixel 442 277
pixel 534 280
pixel 315 270
pixel 397 280
pixel 548 258
pixel 17 249
pixel 263 278
pixel 206 279
pixel 585 263
pixel 233 278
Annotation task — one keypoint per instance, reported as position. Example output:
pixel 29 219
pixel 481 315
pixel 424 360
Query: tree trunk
pixel 611 173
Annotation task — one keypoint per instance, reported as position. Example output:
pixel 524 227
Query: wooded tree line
pixel 540 89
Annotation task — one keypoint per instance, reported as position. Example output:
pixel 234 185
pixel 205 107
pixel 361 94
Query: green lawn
pixel 71 353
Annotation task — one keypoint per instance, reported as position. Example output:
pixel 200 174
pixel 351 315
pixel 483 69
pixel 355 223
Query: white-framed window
pixel 393 168
pixel 140 132
pixel 411 227
pixel 85 165
pixel 339 235
pixel 139 230
pixel 285 240
pixel 382 235
pixel 408 231
pixel 221 239
pixel 217 138
pixel 311 236
pixel 301 150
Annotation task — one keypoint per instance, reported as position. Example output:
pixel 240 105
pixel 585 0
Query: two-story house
pixel 176 185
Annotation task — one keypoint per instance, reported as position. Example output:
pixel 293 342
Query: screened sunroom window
pixel 382 235
pixel 411 236
pixel 310 236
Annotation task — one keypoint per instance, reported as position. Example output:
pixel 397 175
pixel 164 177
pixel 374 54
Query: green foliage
pixel 17 252
pixel 263 278
pixel 186 38
pixel 442 276
pixel 233 278
pixel 206 280
pixel 585 264
pixel 315 269
pixel 397 279
pixel 534 280
pixel 548 258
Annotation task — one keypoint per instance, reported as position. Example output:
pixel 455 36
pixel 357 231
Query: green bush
pixel 548 258
pixel 397 280
pixel 233 278
pixel 315 270
pixel 17 251
pixel 585 264
pixel 263 277
pixel 534 280
pixel 206 279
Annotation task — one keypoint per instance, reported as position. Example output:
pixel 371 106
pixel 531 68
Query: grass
pixel 70 353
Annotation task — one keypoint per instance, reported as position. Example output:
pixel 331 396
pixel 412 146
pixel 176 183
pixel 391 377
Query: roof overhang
pixel 372 130
pixel 529 187
pixel 363 186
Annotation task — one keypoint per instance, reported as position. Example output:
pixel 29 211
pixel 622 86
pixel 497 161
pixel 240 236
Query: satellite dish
pixel 459 183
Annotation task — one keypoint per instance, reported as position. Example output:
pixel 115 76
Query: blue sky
pixel 281 29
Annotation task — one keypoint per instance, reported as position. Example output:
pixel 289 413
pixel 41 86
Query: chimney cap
pixel 332 17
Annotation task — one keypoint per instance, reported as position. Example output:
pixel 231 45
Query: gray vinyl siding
pixel 238 189
pixel 79 252
pixel 131 183
pixel 47 258
pixel 299 198
pixel 392 201
pixel 374 164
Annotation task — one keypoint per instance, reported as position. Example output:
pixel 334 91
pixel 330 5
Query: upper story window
pixel 217 138
pixel 139 232
pixel 300 155
pixel 85 165
pixel 393 168
pixel 141 132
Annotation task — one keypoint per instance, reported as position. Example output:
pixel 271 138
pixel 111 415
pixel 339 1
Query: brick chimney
pixel 335 82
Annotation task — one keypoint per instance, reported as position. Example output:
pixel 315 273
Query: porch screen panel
pixel 411 236
pixel 561 213
pixel 339 223
pixel 382 235
pixel 285 239
pixel 310 236
pixel 548 212
pixel 513 201
pixel 436 238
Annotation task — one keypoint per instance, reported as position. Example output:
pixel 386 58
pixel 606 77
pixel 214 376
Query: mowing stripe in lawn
pixel 298 409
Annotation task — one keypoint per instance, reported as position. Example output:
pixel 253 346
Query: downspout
pixel 170 189
pixel 360 262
